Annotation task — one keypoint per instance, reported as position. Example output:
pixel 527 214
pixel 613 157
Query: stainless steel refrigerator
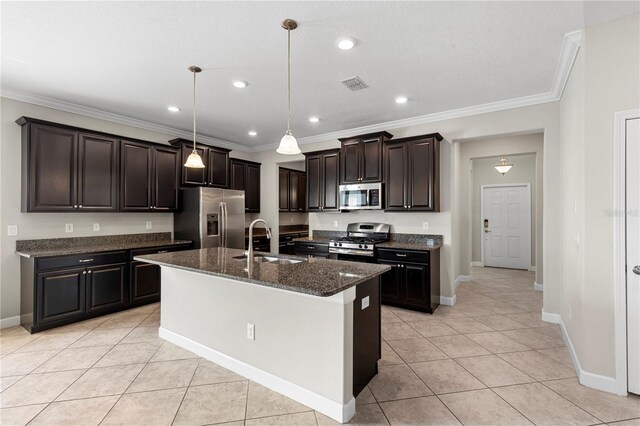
pixel 210 217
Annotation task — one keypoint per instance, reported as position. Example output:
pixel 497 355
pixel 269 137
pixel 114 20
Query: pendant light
pixel 194 161
pixel 503 167
pixel 288 144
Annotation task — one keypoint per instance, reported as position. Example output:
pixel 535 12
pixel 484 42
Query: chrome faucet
pixel 249 252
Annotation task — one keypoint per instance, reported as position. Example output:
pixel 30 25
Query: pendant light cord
pixel 194 111
pixel 289 80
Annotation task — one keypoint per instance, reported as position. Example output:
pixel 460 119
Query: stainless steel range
pixel 360 240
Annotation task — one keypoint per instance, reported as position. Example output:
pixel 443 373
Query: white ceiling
pixel 131 58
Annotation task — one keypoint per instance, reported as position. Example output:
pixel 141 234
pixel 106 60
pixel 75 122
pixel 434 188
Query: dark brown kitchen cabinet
pixel 292 189
pixel 60 295
pixel 148 177
pixel 216 161
pixel 412 172
pixel 361 158
pixel 245 176
pixel 106 287
pixel 145 283
pixel 414 279
pixel 64 169
pixel 322 180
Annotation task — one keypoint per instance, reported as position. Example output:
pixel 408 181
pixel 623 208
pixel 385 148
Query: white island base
pixel 303 345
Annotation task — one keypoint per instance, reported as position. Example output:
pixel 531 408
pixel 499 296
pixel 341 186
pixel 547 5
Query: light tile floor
pixel 488 360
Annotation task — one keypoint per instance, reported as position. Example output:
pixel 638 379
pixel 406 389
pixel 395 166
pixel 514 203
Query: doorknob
pixel 486 231
pixel 636 269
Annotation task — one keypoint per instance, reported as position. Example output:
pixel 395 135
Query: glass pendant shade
pixel 194 161
pixel 288 145
pixel 503 167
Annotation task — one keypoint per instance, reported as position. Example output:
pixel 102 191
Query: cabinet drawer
pixel 87 259
pixel 403 255
pixel 156 250
pixel 311 248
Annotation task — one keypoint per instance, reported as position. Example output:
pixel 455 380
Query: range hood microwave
pixel 361 196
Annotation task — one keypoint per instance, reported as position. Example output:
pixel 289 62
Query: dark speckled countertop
pixel 315 276
pixel 64 246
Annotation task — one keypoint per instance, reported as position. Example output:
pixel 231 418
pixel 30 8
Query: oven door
pixel 354 258
pixel 360 197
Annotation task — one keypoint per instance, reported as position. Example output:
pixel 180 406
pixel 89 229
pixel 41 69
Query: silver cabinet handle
pixel 636 269
pixel 401 255
pixel 89 271
pixel 80 206
pixel 84 272
pixel 311 247
pixel 162 251
pixel 85 260
pixel 75 206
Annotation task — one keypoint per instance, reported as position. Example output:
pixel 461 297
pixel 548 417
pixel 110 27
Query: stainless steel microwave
pixel 361 196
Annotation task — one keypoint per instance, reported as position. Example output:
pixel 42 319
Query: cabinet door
pixel 238 176
pixel 106 287
pixel 314 183
pixel 301 193
pixel 391 283
pixel 371 163
pixel 145 283
pixel 395 172
pixel 294 186
pixel 191 176
pixel 61 295
pixel 330 181
pixel 422 175
pixel 252 190
pixel 218 165
pixel 165 179
pixel 350 161
pixel 283 190
pixel 52 169
pixel 97 173
pixel 135 176
pixel 416 285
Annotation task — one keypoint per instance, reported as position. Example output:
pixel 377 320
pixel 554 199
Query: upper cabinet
pixel 292 189
pixel 361 158
pixel 149 177
pixel 412 172
pixel 216 161
pixel 245 176
pixel 322 180
pixel 66 169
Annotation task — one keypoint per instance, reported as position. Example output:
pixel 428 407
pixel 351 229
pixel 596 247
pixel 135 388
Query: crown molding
pixel 117 118
pixel 570 46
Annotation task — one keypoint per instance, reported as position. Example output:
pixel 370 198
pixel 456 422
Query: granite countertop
pixel 314 276
pixel 64 246
pixel 406 245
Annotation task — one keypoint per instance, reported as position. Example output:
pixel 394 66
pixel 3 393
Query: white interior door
pixel 506 226
pixel 633 253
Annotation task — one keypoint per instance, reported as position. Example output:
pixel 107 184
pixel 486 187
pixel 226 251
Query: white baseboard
pixel 590 380
pixel 461 279
pixel 340 412
pixel 532 268
pixel 538 287
pixel 9 322
pixel 475 263
pixel 448 301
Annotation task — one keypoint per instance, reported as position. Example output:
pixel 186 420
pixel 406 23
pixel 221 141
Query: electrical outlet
pixel 12 230
pixel 96 227
pixel 251 331
pixel 425 226
pixel 365 302
pixel 68 227
pixel 335 223
pixel 149 224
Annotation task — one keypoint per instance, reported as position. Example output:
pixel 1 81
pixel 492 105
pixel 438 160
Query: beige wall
pixel 484 173
pixel 605 79
pixel 51 225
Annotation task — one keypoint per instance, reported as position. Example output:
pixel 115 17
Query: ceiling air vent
pixel 354 83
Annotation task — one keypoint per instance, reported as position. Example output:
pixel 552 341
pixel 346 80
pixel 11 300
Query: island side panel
pixel 303 339
pixel 366 333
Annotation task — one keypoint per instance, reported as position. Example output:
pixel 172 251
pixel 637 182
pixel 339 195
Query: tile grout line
pixel 195 370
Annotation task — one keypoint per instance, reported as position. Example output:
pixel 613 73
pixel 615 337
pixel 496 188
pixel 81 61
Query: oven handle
pixel 351 252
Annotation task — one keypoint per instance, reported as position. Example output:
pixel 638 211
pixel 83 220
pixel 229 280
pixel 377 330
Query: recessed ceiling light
pixel 345 43
pixel 173 108
pixel 240 84
pixel 314 119
pixel 401 99
pixel 253 133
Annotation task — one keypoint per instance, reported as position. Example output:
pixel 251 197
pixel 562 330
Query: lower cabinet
pixel 60 290
pixel 311 249
pixel 260 243
pixel 413 281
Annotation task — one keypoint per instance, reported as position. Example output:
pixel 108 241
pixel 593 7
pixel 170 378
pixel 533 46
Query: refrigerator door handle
pixel 223 225
pixel 226 224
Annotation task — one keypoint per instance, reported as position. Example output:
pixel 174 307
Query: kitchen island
pixel 306 328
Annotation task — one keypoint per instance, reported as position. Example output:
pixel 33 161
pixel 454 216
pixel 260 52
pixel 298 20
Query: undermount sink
pixel 270 259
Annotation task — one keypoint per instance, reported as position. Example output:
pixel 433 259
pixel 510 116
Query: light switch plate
pixel 68 227
pixel 365 302
pixel 12 230
pixel 251 331
pixel 425 226
pixel 96 227
pixel 335 223
pixel 149 224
